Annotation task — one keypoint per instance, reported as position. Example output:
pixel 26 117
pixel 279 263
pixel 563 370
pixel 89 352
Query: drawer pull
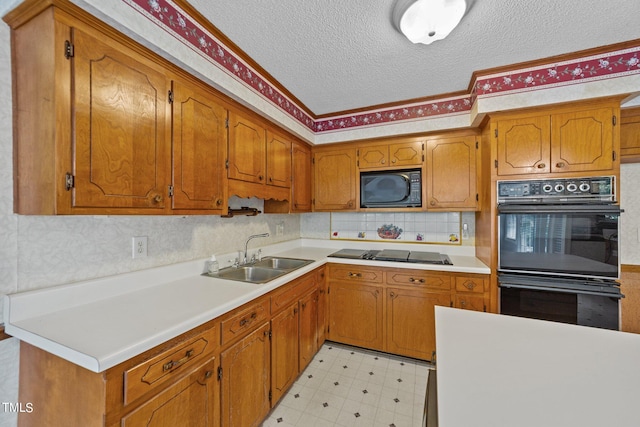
pixel 412 280
pixel 251 318
pixel 355 274
pixel 208 374
pixel 171 364
pixel 470 285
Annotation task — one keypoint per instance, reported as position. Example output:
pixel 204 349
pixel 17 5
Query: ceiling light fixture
pixel 425 21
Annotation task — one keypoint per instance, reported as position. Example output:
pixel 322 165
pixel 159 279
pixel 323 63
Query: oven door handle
pixel 589 208
pixel 612 293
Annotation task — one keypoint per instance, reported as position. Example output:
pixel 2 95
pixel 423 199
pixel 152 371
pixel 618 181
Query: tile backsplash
pixel 416 227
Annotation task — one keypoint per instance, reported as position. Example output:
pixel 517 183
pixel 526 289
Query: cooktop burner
pixel 395 255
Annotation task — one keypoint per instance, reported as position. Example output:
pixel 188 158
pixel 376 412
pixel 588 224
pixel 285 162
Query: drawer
pixel 168 365
pixel 292 292
pixel 355 272
pixel 470 302
pixel 471 284
pixel 245 320
pixel 422 278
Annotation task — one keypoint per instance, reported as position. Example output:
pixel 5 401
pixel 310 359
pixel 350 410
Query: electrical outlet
pixel 139 247
pixel 280 229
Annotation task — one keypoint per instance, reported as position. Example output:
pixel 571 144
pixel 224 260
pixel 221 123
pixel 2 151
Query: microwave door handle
pixel 407 182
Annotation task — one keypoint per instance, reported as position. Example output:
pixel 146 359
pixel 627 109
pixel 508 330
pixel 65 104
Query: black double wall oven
pixel 558 254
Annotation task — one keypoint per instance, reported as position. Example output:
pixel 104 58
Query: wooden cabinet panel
pixel 630 135
pixel 278 160
pixel 356 273
pixel 582 141
pixel 471 292
pixel 163 368
pixel 284 350
pixel 630 304
pixel 476 284
pixel 120 116
pixel 308 328
pixel 301 183
pixel 391 154
pixel 524 145
pixel 247 150
pixel 424 279
pixel 470 302
pixel 411 321
pixel 451 173
pixel 239 322
pixel 323 306
pixel 199 149
pixel 356 314
pixel 335 180
pixel 245 380
pixel 191 402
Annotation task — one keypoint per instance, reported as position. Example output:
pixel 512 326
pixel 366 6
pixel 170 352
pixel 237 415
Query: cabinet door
pixel 199 147
pixel 278 160
pixel 247 152
pixel 582 141
pixel 301 183
pixel 524 145
pixel 245 380
pixel 630 135
pixel 308 328
pixel 190 402
pixel 373 156
pixel 284 350
pixel 411 329
pixel 335 180
pixel 323 306
pixel 452 180
pixel 406 153
pixel 121 131
pixel 356 314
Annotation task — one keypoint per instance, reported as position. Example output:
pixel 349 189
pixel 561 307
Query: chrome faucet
pixel 244 259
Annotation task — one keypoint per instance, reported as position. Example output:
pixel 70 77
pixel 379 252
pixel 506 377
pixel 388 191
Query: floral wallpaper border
pixel 171 18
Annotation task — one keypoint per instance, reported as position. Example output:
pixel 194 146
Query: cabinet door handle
pixel 392 294
pixel 541 165
pixel 208 375
pixel 218 202
pixel 393 161
pixel 270 179
pixel 171 364
pixel 560 165
pixel 260 177
pixel 246 320
pixel 157 198
pixel 432 203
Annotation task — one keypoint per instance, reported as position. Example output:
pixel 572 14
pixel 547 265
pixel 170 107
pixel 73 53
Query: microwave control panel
pixel 560 190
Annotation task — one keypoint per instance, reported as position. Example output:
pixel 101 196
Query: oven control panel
pixel 559 190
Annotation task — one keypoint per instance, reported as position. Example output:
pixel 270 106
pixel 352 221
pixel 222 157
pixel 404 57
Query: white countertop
pixel 502 371
pixel 100 323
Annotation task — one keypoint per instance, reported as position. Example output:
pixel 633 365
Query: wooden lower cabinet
pixel 308 333
pixel 411 321
pixel 356 314
pixel 190 402
pixel 392 309
pixel 284 350
pixel 246 379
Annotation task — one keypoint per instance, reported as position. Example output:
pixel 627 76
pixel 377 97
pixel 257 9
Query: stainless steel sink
pixel 249 274
pixel 282 263
pixel 262 271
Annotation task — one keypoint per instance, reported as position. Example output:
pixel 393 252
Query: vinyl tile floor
pixel 351 387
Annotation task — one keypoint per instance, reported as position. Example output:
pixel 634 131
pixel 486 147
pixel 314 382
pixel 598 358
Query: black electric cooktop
pixel 395 255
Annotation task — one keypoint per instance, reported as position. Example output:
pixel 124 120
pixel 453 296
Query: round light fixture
pixel 425 21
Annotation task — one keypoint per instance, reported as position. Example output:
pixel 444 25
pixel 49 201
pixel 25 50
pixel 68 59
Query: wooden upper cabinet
pixel 301 182
pixel 278 160
pixel 630 135
pixel 568 140
pixel 199 149
pixel 524 145
pixel 391 154
pixel 247 150
pixel 452 173
pixel 335 179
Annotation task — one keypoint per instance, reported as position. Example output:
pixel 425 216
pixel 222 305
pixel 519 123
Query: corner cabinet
pixel 569 139
pixel 335 179
pixel 630 135
pixel 452 179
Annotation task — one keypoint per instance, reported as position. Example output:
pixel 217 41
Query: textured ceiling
pixel 336 56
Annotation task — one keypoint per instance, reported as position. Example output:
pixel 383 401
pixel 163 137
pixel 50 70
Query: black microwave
pixel 391 189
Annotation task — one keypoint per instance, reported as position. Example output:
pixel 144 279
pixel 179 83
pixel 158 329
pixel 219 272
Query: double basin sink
pixel 261 271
